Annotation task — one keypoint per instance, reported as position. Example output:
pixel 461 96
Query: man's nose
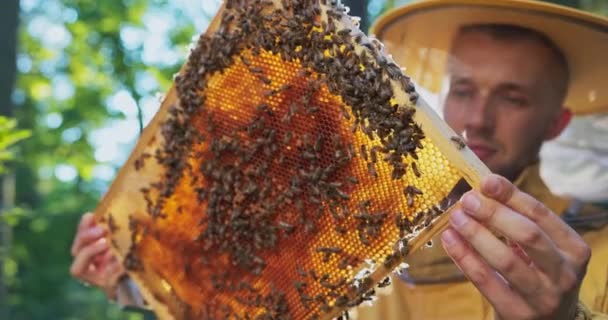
pixel 482 115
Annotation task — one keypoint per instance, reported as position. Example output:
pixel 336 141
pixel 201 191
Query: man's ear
pixel 560 123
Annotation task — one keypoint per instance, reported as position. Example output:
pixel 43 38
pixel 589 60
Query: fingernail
pixel 458 218
pixel 448 237
pixel 102 242
pixel 470 202
pixel 97 231
pixel 491 186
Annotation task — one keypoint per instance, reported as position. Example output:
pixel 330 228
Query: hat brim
pixel 427 27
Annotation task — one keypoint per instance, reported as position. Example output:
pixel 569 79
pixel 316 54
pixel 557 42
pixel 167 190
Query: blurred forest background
pixel 79 80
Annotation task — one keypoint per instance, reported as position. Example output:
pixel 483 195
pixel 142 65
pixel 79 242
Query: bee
pixel 303 73
pixel 344 32
pixel 342 194
pixel 389 260
pixel 245 61
pixel 402 247
pixel 265 80
pixel 364 238
pixel 288 228
pixel 355 126
pixel 325 307
pixel 368 131
pixel 341 301
pixel 305 300
pixel 114 243
pixel 318 144
pixel 332 286
pixel 344 263
pixel 313 274
pixel 132 262
pixel 340 229
pixel 281 159
pixel 415 190
pixel 410 200
pixel 436 210
pixel 372 170
pixel 373 154
pixel 385 282
pixel 413 97
pixel 364 152
pixel 351 151
pixel 301 272
pixel 307 155
pixel 415 169
pixel 329 249
pixel 300 286
pixel 459 142
pixel 270 92
pixel 284 87
pixel 139 162
pixel 320 298
pixel 112 226
pixel 313 109
pixel 256 70
pixel 309 226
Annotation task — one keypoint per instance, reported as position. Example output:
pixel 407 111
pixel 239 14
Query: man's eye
pixel 515 101
pixel 460 93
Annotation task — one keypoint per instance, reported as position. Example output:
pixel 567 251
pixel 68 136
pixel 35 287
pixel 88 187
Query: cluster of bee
pixel 243 203
pixel 369 225
pixel 132 261
pixel 340 293
pixel 274 304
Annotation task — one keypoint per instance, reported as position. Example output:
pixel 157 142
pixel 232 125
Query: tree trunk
pixel 9 22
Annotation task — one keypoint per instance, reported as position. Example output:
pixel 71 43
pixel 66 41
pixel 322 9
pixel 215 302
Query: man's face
pixel 500 97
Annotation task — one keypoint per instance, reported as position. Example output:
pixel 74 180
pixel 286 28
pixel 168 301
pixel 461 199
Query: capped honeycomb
pixel 289 170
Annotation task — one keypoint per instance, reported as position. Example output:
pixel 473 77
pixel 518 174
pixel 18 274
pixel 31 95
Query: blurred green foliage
pixel 9 135
pixel 73 57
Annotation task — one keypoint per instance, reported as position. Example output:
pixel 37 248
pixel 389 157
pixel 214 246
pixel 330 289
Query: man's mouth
pixel 483 152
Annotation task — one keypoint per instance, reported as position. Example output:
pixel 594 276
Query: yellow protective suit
pixel 434 288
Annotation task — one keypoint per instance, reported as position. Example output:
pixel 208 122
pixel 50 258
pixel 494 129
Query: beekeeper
pixel 509 75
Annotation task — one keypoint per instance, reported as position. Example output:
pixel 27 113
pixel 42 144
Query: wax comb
pixel 291 167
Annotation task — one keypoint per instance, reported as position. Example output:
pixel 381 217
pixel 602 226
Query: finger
pixel 97 265
pixel 496 253
pixel 111 277
pixel 565 238
pixel 103 259
pixel 83 260
pixel 489 283
pixel 85 236
pixel 519 251
pixel 114 271
pixel 516 228
pixel 87 220
pixel 107 258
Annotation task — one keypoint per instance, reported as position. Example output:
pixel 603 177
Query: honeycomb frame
pixel 133 231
